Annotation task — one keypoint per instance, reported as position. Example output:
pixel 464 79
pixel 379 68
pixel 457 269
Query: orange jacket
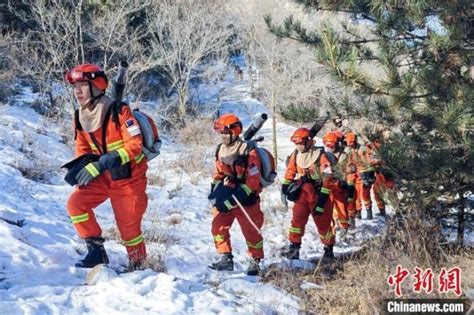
pixel 128 145
pixel 368 158
pixel 321 172
pixel 248 176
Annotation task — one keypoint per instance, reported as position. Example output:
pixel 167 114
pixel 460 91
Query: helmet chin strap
pixel 235 139
pixel 94 98
pixel 232 139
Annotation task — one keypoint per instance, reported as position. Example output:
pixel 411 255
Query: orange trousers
pixel 339 199
pixel 362 195
pixel 129 202
pixel 222 222
pixel 302 209
pixel 380 187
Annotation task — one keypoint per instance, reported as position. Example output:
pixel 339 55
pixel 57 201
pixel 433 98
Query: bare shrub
pixel 194 160
pixel 158 230
pixel 197 132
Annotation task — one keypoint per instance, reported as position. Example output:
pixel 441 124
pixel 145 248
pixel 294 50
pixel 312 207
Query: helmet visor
pixel 74 75
pixel 224 129
pixel 299 139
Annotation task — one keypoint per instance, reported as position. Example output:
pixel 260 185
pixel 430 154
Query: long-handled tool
pixel 247 215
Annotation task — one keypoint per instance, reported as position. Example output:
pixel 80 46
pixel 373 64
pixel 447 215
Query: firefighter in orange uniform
pixel 310 171
pixel 236 175
pixel 332 142
pixel 383 179
pixel 118 173
pixel 367 161
pixel 350 168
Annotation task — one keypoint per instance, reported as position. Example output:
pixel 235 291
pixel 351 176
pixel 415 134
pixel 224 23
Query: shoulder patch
pixel 129 123
pixel 132 128
pixel 253 170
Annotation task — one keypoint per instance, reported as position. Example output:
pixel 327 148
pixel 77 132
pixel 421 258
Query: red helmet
pixel 330 139
pixel 88 72
pixel 301 135
pixel 228 123
pixel 351 138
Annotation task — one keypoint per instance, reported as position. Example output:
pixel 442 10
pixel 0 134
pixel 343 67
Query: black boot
pixel 225 263
pixel 328 256
pixel 292 252
pixel 369 213
pixel 254 268
pixel 96 253
pixel 135 265
pixel 381 212
pixel 359 215
pixel 328 263
pixel 352 223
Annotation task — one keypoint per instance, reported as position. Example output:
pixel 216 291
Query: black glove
pixel 323 196
pixel 284 192
pixel 94 169
pixel 343 184
pixel 350 193
pixel 88 173
pixel 226 206
pixel 110 160
pixel 368 178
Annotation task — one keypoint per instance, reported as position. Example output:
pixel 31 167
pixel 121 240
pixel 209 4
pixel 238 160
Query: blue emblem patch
pixel 129 123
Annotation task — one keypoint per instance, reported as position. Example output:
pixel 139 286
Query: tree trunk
pixel 274 131
pixel 182 102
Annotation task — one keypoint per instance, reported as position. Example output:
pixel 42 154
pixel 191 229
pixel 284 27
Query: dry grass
pixel 197 132
pixel 199 142
pixel 360 284
pixel 194 160
pixel 155 179
pixel 160 231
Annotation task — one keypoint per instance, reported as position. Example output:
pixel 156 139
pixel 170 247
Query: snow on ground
pixel 37 273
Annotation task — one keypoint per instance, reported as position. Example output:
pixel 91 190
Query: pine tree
pixel 425 49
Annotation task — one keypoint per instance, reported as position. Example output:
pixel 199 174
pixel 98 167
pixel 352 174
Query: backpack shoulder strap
pixel 116 108
pixel 331 157
pixel 77 123
pixel 217 150
pixel 295 153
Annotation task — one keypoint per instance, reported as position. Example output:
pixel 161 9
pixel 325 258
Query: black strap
pixel 96 143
